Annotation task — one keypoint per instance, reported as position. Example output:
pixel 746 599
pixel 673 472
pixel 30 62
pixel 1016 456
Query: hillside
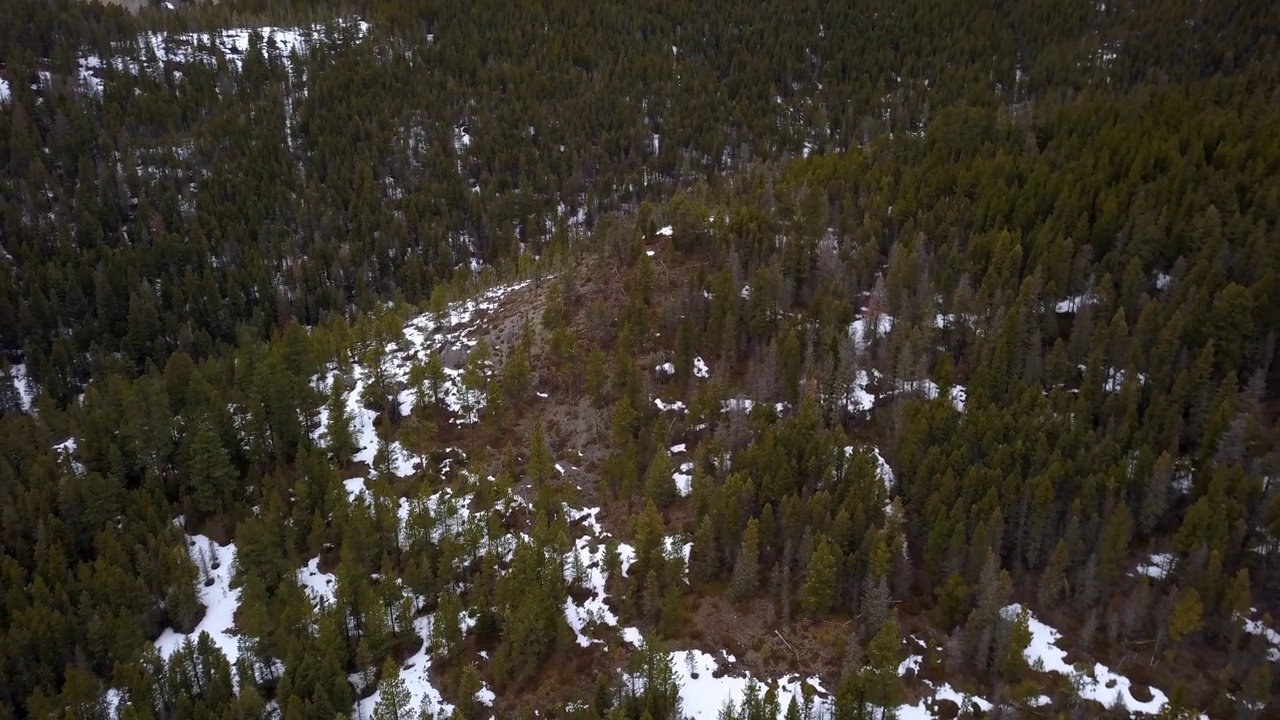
pixel 584 360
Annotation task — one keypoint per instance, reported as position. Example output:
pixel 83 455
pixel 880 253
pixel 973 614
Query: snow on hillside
pixel 154 51
pixel 1097 682
pixel 866 328
pixel 871 326
pixel 1258 627
pixel 704 693
pixel 20 383
pixel 451 512
pixel 320 586
pixel 234 43
pixel 1157 566
pixel 416 677
pixel 929 390
pixel 1075 302
pixel 422 336
pixel 216 594
pixel 700 369
pixel 683 478
pixel 927 707
pixel 67 452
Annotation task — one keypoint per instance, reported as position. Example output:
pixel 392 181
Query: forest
pixel 671 359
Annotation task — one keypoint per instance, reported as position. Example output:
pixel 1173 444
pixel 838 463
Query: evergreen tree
pixel 746 568
pixel 393 696
pixel 818 591
pixel 339 438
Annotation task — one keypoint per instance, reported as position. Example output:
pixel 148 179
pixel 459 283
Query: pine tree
pixel 659 484
pixel 435 377
pixel 469 687
pixel 596 379
pixel 818 592
pixel 1185 619
pixel 339 439
pixel 1155 496
pixel 540 465
pixel 393 696
pixel 746 569
pixel 416 434
pixel 1014 662
pixel 212 477
pixel 517 372
pixel 704 557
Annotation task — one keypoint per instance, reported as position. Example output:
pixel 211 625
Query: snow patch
pixel 700 369
pixel 26 396
pixel 1157 566
pixel 703 695
pixel 319 586
pixel 215 593
pixel 1075 302
pixel 1258 627
pixel 865 329
pixel 416 679
pixel 664 406
pixel 1097 683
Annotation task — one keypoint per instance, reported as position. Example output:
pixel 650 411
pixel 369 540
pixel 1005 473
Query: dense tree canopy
pixel 964 306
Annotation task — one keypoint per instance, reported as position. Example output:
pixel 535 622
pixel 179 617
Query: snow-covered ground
pixel 416 677
pixel 857 398
pixel 451 512
pixel 20 382
pixel 700 369
pixel 1157 566
pixel 703 695
pixel 866 328
pixel 67 452
pixel 927 707
pixel 589 551
pixel 1094 682
pixel 320 586
pixel 885 472
pixel 422 336
pixel 683 478
pixel 928 389
pixel 1075 302
pixel 231 43
pixel 1258 627
pixel 219 599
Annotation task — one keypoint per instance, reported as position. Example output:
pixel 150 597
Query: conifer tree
pixel 393 696
pixel 818 591
pixel 746 569
pixel 212 477
pixel 659 484
pixel 540 465
pixel 339 438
